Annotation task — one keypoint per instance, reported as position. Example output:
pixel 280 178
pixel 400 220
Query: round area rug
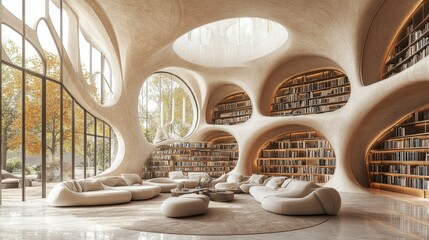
pixel 244 215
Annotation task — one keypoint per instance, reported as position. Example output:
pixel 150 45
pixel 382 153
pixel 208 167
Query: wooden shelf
pixel 411 44
pixel 314 167
pixel 238 105
pixel 325 93
pixel 401 163
pixel 212 157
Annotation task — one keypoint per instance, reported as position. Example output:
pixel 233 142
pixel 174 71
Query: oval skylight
pixel 230 42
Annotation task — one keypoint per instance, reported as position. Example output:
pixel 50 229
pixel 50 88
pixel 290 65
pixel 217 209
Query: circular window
pixel 166 108
pixel 231 41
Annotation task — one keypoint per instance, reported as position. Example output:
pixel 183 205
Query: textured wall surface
pixel 352 36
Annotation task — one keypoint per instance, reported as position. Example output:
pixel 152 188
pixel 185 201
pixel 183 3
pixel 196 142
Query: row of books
pixel 399 156
pixel 418 117
pixel 318 162
pixel 231 121
pixel 233 113
pixel 202 158
pixel 416 58
pixel 322 75
pixel 227 106
pixel 285 153
pixel 417 34
pixel 418 183
pixel 301 143
pixel 309 102
pixel 202 164
pixel 419 170
pixel 311 87
pixel 190 145
pixel 226 146
pixel 406 143
pixel 299 170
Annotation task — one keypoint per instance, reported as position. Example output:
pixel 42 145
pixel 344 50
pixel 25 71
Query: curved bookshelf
pixel 399 160
pixel 234 109
pixel 305 155
pixel 216 157
pixel 311 93
pixel 411 43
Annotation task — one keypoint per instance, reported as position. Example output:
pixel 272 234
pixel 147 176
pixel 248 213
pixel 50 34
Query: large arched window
pixel 97 71
pixel 46 135
pixel 167 108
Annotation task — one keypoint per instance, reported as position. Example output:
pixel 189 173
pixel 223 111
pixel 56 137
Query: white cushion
pixel 275 182
pixel 256 178
pixel 91 185
pixel 176 175
pixel 233 178
pixel 131 178
pixel 198 175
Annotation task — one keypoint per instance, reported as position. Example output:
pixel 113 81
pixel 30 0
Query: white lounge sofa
pixel 103 191
pixel 296 197
pixel 85 193
pixel 192 180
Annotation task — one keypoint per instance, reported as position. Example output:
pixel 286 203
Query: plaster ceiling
pixel 146 30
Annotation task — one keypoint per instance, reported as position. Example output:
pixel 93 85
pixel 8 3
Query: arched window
pixel 167 108
pixel 97 71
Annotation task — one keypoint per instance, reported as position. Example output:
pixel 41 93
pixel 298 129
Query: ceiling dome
pixel 230 42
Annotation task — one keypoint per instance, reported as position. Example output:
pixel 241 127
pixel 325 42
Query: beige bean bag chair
pixel 185 205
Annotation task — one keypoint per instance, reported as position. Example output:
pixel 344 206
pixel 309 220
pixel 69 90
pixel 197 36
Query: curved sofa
pixel 70 193
pixel 103 191
pixel 296 197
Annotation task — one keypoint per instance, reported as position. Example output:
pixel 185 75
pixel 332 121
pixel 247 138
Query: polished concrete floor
pixel 372 215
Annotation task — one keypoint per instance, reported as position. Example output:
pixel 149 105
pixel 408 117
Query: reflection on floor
pixel 372 215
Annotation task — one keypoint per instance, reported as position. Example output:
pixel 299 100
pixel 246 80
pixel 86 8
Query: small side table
pixel 176 193
pixel 220 196
pixel 27 182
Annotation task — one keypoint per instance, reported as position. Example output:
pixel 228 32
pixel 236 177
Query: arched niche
pixel 311 92
pixel 300 152
pixel 390 17
pixel 229 105
pixel 398 160
pixel 216 154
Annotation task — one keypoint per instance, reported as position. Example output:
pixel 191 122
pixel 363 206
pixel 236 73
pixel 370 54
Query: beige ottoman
pixel 185 205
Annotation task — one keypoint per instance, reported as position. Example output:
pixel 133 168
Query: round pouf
pixel 185 205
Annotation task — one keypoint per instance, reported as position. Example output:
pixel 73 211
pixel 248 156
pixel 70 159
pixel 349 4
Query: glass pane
pixel 11 129
pixel 66 28
pixel 113 147
pixel 85 58
pixel 53 60
pixel 106 130
pixel 100 155
pixel 33 61
pixel 100 128
pixel 33 136
pixel 53 132
pixel 12 44
pixel 165 108
pixel 14 6
pixel 90 124
pixel 54 14
pixel 90 156
pixel 34 10
pixel 79 142
pixel 96 61
pixel 106 153
pixel 67 135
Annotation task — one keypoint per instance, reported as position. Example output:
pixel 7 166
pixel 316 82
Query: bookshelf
pixel 216 157
pixel 234 109
pixel 411 43
pixel 302 155
pixel 311 93
pixel 399 160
